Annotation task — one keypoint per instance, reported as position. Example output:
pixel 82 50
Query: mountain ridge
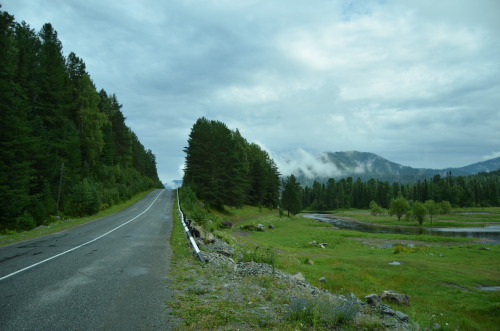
pixel 173 185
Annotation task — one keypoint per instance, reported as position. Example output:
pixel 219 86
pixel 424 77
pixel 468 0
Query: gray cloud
pixel 416 82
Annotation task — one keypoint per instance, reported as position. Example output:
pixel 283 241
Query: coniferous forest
pixel 222 168
pixel 65 147
pixel 478 190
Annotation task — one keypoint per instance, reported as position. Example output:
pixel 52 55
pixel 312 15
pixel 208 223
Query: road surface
pixel 109 274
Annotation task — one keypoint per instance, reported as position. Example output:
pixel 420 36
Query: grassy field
pixel 440 274
pixel 459 217
pixel 13 237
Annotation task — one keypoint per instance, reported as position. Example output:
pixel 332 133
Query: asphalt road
pixel 109 274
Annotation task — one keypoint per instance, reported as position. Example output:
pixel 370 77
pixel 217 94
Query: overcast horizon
pixel 417 83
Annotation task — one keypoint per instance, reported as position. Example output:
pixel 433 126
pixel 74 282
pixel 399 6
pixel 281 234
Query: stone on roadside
pixel 197 231
pixel 299 276
pixel 373 300
pixel 221 247
pixel 387 310
pixel 401 316
pixel 260 227
pixel 391 296
pixel 208 238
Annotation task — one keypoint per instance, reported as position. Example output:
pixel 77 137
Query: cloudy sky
pixel 417 82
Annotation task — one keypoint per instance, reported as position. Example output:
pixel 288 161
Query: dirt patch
pixel 385 243
pixel 241 233
pixel 369 223
pixel 457 286
pixel 479 223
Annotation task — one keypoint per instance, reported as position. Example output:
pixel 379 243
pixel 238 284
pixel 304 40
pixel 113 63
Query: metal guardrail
pixel 186 228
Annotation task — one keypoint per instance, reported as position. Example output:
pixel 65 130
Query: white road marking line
pixel 75 248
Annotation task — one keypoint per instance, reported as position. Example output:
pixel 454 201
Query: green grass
pixel 13 237
pixel 441 279
pixel 459 217
pixel 237 215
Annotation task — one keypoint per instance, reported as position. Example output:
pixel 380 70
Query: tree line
pixel 463 191
pixel 65 146
pixel 222 168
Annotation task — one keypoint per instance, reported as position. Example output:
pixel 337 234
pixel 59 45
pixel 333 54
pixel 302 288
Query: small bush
pixel 445 207
pixel 83 199
pixel 303 310
pixel 401 249
pixel 375 209
pixel 323 312
pixel 226 224
pixel 8 232
pixel 25 221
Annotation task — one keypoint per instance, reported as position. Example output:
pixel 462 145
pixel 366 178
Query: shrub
pixel 25 221
pixel 191 206
pixel 83 199
pixel 399 207
pixel 376 210
pixel 445 207
pixel 323 312
pixel 419 212
pixel 227 224
pixel 401 249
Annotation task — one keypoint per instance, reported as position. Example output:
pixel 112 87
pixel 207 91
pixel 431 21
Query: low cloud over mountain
pixel 309 167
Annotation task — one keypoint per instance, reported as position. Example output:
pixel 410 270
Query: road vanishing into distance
pixel 109 274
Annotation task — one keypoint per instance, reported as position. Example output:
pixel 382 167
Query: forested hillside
pixel 222 168
pixel 57 128
pixel 366 166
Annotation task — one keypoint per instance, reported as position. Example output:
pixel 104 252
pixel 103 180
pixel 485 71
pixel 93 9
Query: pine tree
pixel 15 170
pixel 90 121
pixel 51 115
pixel 291 195
pixel 222 168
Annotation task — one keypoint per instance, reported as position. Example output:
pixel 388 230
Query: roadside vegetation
pixel 65 148
pixel 441 275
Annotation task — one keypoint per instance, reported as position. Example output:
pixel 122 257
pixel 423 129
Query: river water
pixel 491 233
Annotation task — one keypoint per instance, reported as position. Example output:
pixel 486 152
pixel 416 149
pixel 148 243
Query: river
pixel 491 233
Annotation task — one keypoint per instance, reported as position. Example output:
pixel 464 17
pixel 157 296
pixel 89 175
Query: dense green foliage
pixel 222 168
pixel 290 199
pixel 467 191
pixel 399 207
pixel 56 128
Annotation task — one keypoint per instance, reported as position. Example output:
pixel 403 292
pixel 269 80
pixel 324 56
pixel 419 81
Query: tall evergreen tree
pixel 291 195
pixel 222 168
pixel 15 170
pixel 51 114
pixel 90 121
